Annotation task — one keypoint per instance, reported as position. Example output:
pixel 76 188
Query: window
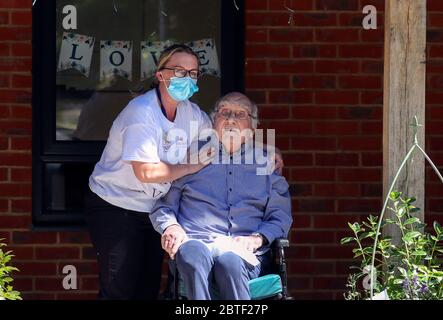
pixel 80 83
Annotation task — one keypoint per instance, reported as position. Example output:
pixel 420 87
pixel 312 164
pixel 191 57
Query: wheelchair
pixel 272 286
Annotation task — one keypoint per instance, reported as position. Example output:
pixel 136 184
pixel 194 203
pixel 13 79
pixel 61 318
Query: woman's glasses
pixel 181 73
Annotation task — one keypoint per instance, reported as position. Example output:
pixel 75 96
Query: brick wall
pixel 318 82
pixel 434 111
pixel 40 256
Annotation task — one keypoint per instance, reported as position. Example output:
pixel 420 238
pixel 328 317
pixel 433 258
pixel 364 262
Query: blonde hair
pixel 168 53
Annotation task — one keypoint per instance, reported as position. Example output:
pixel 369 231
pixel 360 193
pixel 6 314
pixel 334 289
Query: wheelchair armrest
pixel 278 246
pixel 281 243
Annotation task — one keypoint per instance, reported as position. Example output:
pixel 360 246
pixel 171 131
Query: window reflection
pixel 65 185
pixel 86 106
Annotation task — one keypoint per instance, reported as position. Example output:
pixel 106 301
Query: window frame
pixel 46 149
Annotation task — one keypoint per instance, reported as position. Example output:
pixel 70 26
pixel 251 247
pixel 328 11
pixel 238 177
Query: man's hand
pixel 250 243
pixel 172 238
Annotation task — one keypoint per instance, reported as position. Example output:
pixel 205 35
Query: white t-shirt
pixel 142 133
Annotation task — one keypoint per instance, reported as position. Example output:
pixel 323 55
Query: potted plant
pixel 7 292
pixel 407 270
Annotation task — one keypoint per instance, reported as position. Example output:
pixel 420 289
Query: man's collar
pixel 245 147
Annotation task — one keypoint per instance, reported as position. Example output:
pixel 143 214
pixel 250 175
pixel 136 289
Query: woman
pixel 134 171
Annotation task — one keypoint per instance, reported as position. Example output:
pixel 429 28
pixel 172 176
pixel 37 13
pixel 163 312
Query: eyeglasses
pixel 238 114
pixel 181 73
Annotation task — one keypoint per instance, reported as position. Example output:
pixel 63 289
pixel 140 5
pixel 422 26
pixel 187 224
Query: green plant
pixel 6 289
pixel 408 270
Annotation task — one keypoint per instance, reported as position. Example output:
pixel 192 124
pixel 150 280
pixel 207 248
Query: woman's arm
pixel 162 172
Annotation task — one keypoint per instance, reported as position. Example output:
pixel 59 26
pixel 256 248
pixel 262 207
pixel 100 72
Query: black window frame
pixel 45 149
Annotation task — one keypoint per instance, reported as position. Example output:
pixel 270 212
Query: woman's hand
pixel 206 154
pixel 279 164
pixel 203 156
pixel 172 238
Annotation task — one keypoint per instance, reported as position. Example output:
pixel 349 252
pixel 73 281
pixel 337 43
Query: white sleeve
pixel 140 142
pixel 205 122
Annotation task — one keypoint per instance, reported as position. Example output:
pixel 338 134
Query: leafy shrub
pixel 6 289
pixel 408 270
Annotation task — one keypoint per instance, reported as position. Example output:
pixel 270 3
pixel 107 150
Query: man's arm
pixel 278 216
pixel 164 219
pixel 164 213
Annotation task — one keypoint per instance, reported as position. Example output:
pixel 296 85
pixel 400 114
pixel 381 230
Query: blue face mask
pixel 182 88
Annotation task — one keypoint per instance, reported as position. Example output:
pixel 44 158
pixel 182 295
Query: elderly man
pixel 218 223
